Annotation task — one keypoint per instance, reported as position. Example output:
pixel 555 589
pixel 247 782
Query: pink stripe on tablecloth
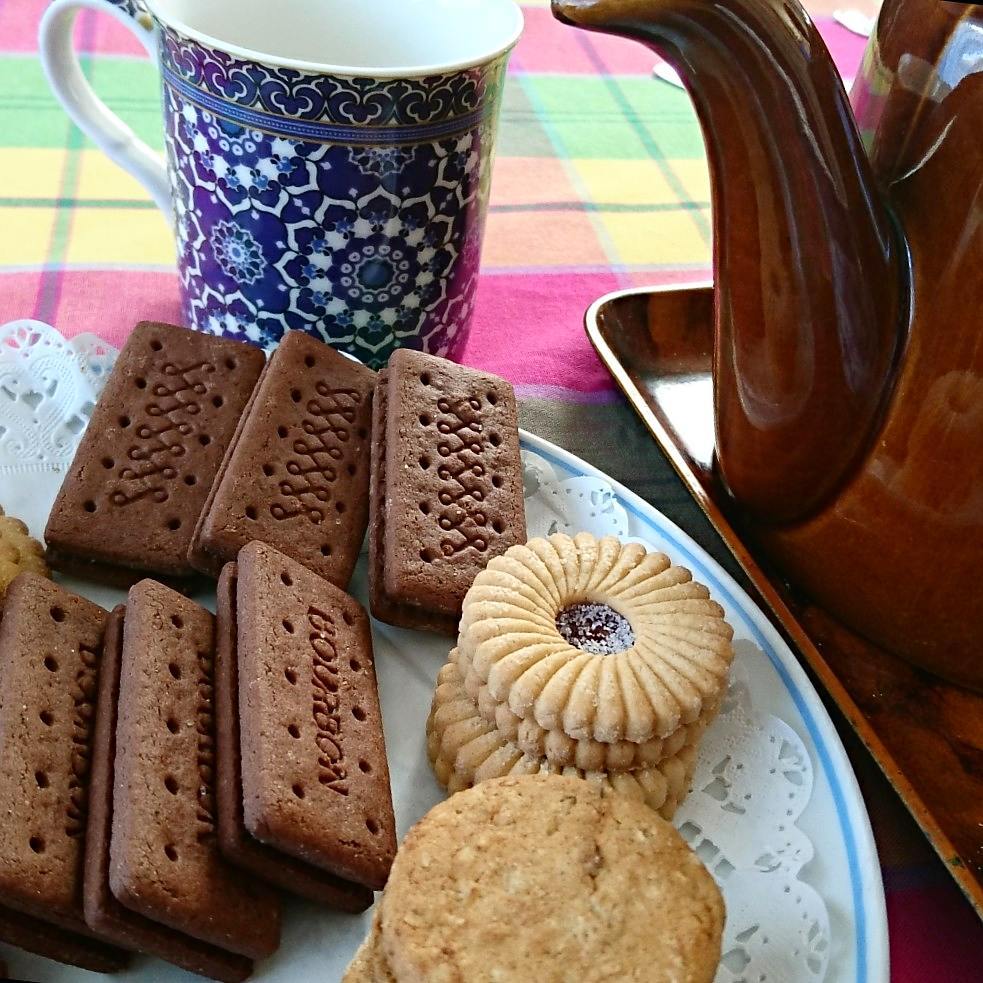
pixel 107 303
pixel 520 323
pixel 18 30
pixel 929 929
pixel 559 394
pixel 530 330
pixel 846 47
pixel 548 46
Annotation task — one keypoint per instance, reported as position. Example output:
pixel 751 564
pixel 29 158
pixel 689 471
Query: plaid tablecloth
pixel 600 183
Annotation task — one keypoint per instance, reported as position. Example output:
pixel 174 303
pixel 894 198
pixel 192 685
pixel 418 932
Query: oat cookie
pixel 576 884
pixel 369 963
pixel 18 552
pixel 465 750
pixel 601 640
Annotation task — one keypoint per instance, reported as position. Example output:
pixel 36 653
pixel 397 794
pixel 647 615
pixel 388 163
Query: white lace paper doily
pixel 754 776
pixel 48 387
pixel 752 782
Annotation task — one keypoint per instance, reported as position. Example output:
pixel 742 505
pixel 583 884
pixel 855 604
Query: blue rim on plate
pixel 866 888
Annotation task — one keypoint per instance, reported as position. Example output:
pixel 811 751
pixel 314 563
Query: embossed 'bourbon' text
pixel 331 765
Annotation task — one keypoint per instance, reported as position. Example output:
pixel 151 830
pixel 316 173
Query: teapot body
pixel 848 302
pixel 897 553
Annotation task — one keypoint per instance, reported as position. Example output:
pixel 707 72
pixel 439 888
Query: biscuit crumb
pixel 19 551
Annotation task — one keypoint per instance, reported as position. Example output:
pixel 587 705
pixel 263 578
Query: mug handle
pixel 86 109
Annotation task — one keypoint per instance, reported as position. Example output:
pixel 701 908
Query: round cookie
pixel 551 879
pixel 465 750
pixel 589 755
pixel 18 552
pixel 600 640
pixel 369 963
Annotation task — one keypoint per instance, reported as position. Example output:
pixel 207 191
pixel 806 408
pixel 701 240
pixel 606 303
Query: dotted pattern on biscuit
pixel 19 551
pixel 676 670
pixel 465 749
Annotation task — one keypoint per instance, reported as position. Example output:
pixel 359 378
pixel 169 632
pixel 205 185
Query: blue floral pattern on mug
pixel 352 209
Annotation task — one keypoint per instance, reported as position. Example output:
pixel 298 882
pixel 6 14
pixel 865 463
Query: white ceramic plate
pixel 318 945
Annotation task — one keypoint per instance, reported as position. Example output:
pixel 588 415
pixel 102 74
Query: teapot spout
pixel 811 275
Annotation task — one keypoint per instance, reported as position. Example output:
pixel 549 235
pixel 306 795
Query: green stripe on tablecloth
pixel 49 286
pixel 31 117
pixel 594 123
pixel 520 132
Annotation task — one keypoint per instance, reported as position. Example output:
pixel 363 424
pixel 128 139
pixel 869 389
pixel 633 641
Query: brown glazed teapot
pixel 848 296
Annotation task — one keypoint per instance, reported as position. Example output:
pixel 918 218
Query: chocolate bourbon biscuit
pixel 384 607
pixel 164 861
pixel 234 840
pixel 297 473
pixel 50 649
pixel 44 939
pixel 453 480
pixel 102 911
pixel 315 779
pixel 151 450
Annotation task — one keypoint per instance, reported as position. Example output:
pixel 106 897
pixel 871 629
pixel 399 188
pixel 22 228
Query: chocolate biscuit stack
pixel 303 781
pixel 50 647
pixel 196 448
pixel 150 452
pixel 446 490
pixel 160 768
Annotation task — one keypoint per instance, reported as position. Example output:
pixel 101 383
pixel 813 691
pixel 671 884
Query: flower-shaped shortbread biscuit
pixel 465 749
pixel 600 640
pixel 586 754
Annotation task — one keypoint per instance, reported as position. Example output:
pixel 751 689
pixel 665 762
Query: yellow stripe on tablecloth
pixel 656 237
pixel 120 236
pixel 642 182
pixel 35 173
pixel 25 235
pixel 99 178
pixel 30 172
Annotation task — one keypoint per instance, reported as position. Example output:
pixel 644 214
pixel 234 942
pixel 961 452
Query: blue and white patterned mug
pixel 348 202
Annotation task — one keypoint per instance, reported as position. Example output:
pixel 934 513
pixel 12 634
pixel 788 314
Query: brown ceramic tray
pixel 926 735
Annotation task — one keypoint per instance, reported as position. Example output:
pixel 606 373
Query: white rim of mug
pixel 323 68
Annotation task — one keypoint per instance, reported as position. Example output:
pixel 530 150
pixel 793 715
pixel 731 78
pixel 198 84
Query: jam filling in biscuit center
pixel 595 628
